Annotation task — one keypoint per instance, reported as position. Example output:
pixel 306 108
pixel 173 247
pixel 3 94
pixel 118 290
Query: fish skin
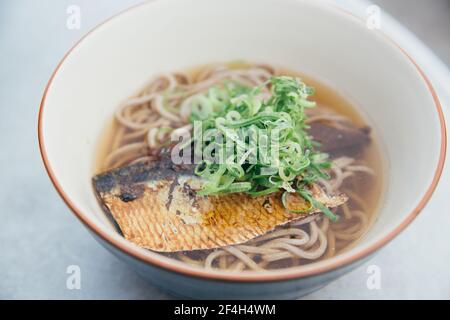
pixel 155 205
pixel 338 136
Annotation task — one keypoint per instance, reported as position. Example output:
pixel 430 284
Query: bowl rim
pixel 279 275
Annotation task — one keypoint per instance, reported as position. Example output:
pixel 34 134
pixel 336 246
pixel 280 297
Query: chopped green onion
pixel 231 109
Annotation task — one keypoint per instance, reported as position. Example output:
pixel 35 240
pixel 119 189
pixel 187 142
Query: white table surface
pixel 40 237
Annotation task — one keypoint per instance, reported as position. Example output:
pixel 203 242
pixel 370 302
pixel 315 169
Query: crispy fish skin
pixel 156 207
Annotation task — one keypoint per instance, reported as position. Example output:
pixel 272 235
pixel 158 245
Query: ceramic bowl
pixel 120 55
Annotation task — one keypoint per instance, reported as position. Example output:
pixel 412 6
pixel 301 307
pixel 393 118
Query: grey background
pixel 40 238
pixel 428 19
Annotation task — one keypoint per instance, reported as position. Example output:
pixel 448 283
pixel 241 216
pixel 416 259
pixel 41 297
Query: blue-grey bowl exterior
pixel 191 287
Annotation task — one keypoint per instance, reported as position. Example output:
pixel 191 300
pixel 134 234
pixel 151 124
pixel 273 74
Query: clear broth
pixel 367 188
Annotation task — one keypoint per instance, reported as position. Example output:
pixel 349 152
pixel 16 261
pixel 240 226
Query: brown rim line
pixel 304 271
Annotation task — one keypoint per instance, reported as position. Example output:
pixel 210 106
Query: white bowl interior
pixel 116 59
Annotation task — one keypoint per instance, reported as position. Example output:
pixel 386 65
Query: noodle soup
pixel 142 127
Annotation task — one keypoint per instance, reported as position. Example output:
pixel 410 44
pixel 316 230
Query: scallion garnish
pixel 240 115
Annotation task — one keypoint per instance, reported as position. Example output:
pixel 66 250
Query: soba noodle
pixel 146 122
